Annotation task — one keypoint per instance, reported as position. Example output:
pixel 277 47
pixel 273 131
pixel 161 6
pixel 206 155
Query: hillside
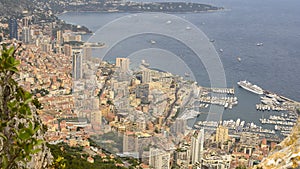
pixel 14 7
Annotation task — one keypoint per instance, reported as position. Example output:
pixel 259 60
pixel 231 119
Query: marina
pixel 275 102
pixel 281 125
pixel 227 102
pixel 226 97
pixel 234 125
pixel 264 107
pixel 221 90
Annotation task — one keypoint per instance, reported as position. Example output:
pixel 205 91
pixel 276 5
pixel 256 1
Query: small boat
pixel 212 40
pixel 259 44
pixel 152 41
pixel 226 105
pixel 168 22
pixel 144 63
pixel 188 28
pixel 239 59
pixel 221 50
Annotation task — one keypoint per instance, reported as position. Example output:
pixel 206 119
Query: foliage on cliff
pixel 75 157
pixel 21 139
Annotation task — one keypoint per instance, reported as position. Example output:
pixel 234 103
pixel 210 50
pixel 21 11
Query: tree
pixel 20 134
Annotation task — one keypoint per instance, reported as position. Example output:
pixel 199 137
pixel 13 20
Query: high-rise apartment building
pixel 179 126
pixel 130 143
pixel 122 64
pixel 146 76
pixel 59 37
pixel 159 159
pixel 25 22
pixel 13 29
pixel 197 146
pixel 87 52
pixel 77 63
pixel 67 50
pixel 221 134
pixel 26 37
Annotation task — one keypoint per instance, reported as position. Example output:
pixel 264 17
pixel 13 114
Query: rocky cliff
pixel 286 154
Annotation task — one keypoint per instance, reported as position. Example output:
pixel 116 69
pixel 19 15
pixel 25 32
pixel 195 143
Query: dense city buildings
pixel 143 114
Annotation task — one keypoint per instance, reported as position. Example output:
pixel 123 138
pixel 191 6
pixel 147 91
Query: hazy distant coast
pixel 169 7
pixel 47 11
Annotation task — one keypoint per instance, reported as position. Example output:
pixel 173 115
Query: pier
pixel 221 90
pixel 275 102
pixel 94 44
pixel 264 107
pixel 227 102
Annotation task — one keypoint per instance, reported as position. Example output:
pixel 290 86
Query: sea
pixel 235 31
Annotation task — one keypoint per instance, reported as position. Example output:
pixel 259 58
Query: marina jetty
pixel 276 102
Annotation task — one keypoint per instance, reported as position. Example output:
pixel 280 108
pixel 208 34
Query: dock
pixel 264 107
pixel 229 91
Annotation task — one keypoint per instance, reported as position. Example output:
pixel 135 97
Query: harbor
pixel 273 101
pixel 281 126
pixel 229 91
pixel 234 125
pixel 282 123
pixel 275 113
pixel 264 107
pixel 227 102
pixel 217 96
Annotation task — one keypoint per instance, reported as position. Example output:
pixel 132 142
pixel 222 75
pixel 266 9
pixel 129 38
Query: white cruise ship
pixel 250 87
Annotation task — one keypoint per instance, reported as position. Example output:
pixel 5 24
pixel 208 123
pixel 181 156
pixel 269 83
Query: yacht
pixel 186 74
pixel 259 44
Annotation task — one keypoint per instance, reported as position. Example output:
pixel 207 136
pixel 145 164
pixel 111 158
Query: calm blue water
pixel 273 66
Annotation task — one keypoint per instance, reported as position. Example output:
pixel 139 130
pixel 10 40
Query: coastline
pixel 152 4
pixel 134 12
pixel 152 7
